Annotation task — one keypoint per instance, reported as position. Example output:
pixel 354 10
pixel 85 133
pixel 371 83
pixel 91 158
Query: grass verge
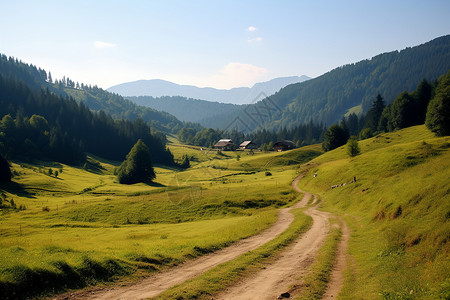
pixel 315 283
pixel 226 274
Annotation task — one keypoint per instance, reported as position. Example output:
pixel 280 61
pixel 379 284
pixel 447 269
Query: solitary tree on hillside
pixel 137 167
pixel 353 147
pixel 5 171
pixel 438 113
pixel 335 136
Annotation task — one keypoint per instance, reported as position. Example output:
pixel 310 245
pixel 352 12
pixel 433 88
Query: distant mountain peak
pixel 239 95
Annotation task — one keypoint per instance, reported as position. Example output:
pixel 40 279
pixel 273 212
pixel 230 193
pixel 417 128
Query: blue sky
pixel 222 44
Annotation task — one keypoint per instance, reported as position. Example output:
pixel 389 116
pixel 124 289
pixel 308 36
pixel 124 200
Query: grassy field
pixel 398 211
pixel 81 227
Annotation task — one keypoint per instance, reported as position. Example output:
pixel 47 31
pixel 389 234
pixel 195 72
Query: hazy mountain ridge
pixel 240 95
pixel 186 109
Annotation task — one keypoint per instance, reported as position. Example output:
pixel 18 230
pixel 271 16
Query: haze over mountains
pixel 240 95
pixel 321 100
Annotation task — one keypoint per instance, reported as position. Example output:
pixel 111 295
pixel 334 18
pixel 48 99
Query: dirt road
pixel 157 283
pixel 285 271
pixel 266 284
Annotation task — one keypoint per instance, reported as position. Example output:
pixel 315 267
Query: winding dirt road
pixel 155 284
pixel 266 284
pixel 285 273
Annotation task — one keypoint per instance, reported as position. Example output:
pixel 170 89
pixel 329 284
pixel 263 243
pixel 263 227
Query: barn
pixel 283 145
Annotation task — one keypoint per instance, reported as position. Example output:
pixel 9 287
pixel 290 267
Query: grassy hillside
pixel 63 237
pixel 398 211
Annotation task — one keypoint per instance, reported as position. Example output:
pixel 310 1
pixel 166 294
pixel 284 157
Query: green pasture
pixel 398 210
pixel 82 227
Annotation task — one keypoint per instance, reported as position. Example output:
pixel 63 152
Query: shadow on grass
pixel 16 189
pixel 155 184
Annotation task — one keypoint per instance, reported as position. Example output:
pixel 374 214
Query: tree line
pixel 302 135
pixel 93 97
pixel 429 104
pixel 45 125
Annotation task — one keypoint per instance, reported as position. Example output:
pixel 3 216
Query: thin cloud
pixel 237 74
pixel 254 40
pixel 252 28
pixel 100 45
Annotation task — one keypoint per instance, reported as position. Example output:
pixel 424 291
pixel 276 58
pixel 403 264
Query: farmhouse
pixel 225 144
pixel 248 145
pixel 283 146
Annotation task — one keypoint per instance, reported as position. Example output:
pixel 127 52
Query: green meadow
pixel 82 227
pixel 398 211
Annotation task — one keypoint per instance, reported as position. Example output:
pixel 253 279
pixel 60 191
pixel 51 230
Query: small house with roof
pixel 225 144
pixel 248 145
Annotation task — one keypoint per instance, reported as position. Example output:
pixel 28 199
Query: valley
pixel 69 222
pixel 333 187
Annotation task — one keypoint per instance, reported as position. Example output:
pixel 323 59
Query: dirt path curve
pixel 277 277
pixel 287 270
pixel 155 284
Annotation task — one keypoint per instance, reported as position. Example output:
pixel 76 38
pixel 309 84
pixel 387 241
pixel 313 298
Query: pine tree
pixel 137 167
pixel 374 114
pixel 438 113
pixel 185 164
pixel 335 136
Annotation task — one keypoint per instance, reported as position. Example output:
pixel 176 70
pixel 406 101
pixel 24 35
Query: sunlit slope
pixel 398 209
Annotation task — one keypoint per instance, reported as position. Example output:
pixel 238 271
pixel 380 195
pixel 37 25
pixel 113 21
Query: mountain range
pixel 240 95
pixel 343 90
pixel 322 100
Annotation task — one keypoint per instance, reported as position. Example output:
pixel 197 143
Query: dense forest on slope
pixel 427 104
pixel 44 125
pixel 186 109
pixel 303 134
pixel 327 98
pixel 93 97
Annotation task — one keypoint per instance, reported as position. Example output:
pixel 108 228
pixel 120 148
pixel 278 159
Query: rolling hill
pixel 397 210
